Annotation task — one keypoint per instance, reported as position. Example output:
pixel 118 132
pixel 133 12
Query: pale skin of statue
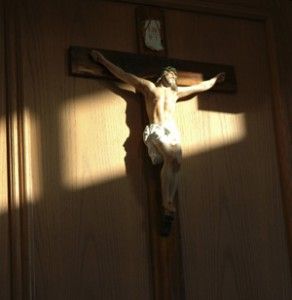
pixel 160 99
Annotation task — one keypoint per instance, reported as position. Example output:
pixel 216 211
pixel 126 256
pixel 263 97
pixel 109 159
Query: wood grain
pixel 230 195
pixel 89 224
pixel 282 130
pixel 5 274
pixel 20 271
pixel 282 24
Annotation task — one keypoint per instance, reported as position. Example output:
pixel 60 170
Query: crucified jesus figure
pixel 161 136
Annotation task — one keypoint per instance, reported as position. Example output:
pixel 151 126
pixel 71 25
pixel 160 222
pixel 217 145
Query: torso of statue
pixel 160 104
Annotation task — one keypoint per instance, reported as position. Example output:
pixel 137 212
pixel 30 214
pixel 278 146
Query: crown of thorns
pixel 170 69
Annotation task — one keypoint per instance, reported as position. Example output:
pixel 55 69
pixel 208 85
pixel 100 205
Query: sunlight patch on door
pixel 204 131
pixel 93 131
pixel 32 156
pixel 25 186
pixel 3 168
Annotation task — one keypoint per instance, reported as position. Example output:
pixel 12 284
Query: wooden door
pixel 84 215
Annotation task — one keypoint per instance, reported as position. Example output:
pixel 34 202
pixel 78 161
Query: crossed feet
pixel 167 217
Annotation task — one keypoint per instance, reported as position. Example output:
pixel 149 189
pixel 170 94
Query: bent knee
pixel 175 162
pixel 176 165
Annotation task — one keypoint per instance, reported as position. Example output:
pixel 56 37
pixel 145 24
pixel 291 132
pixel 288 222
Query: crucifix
pixel 161 135
pixel 161 88
pixel 176 81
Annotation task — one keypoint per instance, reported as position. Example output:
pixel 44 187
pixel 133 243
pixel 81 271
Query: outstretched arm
pixel 140 84
pixel 200 87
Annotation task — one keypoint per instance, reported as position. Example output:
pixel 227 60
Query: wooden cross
pixel 149 67
pixel 166 252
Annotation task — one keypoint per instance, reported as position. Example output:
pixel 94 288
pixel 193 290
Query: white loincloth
pixel 167 135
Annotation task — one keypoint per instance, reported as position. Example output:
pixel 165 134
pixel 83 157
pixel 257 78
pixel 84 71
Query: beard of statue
pixel 165 81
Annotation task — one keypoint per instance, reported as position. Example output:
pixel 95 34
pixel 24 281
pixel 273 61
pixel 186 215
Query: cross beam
pixel 149 67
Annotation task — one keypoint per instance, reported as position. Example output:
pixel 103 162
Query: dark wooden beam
pixel 148 66
pixel 167 266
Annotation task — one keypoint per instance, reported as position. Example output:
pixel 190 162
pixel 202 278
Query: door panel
pixel 231 216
